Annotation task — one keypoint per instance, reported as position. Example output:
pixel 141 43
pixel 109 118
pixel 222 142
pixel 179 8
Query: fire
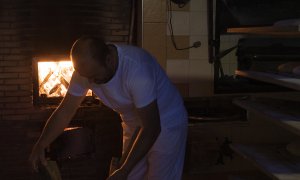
pixel 54 78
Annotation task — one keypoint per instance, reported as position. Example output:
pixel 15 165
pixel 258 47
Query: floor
pixel 204 177
pixel 251 175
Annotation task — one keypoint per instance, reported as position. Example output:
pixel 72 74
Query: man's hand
pixel 119 174
pixel 37 157
pixel 55 125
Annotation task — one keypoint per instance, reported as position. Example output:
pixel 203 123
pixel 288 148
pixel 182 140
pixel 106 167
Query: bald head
pixel 89 48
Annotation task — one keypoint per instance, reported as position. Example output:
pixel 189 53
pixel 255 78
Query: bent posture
pixel 131 82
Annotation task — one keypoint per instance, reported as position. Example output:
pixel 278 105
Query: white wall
pixel 191 22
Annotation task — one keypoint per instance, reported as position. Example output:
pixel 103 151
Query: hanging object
pixel 180 2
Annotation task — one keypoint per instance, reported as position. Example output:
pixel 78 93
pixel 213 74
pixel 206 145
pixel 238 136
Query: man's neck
pixel 114 53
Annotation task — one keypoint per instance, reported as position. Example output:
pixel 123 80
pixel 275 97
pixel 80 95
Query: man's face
pixel 94 71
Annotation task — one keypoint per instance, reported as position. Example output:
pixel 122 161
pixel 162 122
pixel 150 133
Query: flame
pixel 54 78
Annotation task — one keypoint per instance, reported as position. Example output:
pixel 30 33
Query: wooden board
pixel 285 81
pixel 268 30
pixel 282 112
pixel 273 160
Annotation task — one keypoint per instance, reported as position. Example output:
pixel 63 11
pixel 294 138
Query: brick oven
pixel 33 32
pixel 51 78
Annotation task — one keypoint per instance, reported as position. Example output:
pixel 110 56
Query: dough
pixel 294 148
pixel 296 71
pixel 288 67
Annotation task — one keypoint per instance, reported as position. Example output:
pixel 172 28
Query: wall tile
pixel 175 7
pixel 200 52
pixel 228 41
pixel 155 10
pixel 154 40
pixel 232 68
pixel 230 58
pixel 201 89
pixel 200 71
pixel 233 57
pixel 198 5
pixel 224 38
pixel 203 5
pixel 181 42
pixel 198 23
pixel 225 67
pixel 177 66
pixel 180 23
pixel 177 70
pixel 200 78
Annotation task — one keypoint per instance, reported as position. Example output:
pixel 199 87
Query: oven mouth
pixel 51 80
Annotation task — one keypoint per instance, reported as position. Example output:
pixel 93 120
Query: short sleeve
pixel 78 85
pixel 143 86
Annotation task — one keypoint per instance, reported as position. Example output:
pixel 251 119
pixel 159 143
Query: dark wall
pixel 34 27
pixel 243 13
pixel 58 23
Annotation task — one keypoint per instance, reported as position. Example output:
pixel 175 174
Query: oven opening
pixel 52 78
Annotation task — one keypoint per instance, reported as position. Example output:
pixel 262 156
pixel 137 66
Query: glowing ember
pixel 71 128
pixel 54 78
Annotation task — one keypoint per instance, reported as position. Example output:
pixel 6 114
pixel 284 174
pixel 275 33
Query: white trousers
pixel 165 159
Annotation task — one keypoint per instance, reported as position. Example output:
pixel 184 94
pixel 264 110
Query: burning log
pixel 46 79
pixel 54 78
pixel 54 89
pixel 64 82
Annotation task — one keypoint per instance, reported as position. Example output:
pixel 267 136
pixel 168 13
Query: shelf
pixel 282 112
pixel 286 81
pixel 273 160
pixel 268 30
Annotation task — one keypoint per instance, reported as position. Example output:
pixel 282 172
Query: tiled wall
pixel 188 69
pixel 229 62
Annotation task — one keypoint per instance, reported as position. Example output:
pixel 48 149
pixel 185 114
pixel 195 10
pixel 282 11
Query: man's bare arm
pixel 55 125
pixel 149 131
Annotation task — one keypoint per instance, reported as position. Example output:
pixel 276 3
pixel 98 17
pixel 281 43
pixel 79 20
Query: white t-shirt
pixel 138 81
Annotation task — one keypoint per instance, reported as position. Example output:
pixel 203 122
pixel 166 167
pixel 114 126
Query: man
pixel 131 82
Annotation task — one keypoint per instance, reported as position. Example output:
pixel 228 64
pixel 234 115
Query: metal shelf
pixel 285 81
pixel 281 112
pixel 274 160
pixel 268 30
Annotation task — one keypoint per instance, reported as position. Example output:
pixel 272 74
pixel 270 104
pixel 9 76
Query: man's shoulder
pixel 129 47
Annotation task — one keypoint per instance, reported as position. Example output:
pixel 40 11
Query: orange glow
pixel 71 128
pixel 54 78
